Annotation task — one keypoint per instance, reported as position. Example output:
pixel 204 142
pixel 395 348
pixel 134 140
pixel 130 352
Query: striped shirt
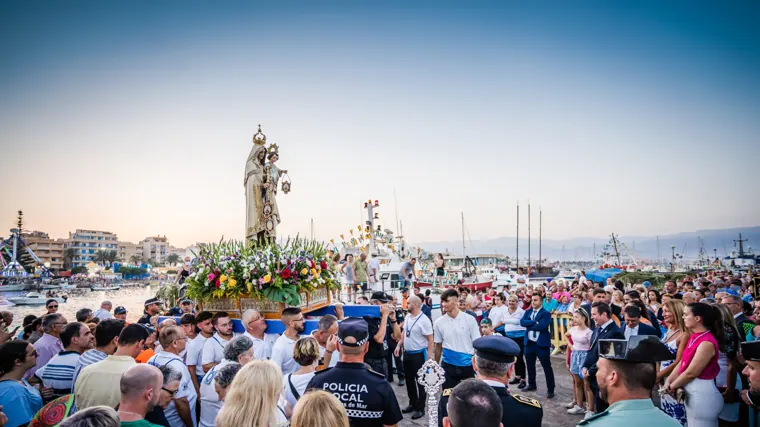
pixel 58 373
pixel 88 358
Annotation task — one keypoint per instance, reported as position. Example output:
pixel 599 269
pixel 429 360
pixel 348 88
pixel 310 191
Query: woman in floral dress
pixel 675 339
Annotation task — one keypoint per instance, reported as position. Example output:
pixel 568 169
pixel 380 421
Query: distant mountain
pixel 686 243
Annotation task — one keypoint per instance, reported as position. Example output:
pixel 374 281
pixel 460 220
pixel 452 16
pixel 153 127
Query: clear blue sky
pixel 136 117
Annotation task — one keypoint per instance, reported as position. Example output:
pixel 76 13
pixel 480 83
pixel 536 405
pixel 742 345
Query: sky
pixel 136 117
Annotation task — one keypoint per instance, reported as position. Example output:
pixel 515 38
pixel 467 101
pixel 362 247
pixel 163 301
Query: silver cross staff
pixel 431 376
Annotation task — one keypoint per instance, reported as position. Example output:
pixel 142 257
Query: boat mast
pixel 528 237
pixel 540 222
pixel 463 247
pixel 517 246
pixel 740 242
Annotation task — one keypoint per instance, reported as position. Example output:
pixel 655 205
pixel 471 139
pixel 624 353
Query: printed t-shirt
pixel 186 388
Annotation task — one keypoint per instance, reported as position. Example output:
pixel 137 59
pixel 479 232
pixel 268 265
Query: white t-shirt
pixel 456 336
pixel 282 354
pixel 262 349
pixel 186 387
pixel 374 263
pixel 194 353
pixel 210 403
pixel 102 314
pixel 213 349
pixel 512 320
pixel 498 314
pixel 416 331
pixel 299 382
pixel 520 278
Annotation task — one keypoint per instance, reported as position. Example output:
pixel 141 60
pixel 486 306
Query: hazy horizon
pixel 137 118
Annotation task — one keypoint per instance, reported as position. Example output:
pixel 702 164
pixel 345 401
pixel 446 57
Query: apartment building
pixel 155 248
pixel 128 250
pixel 86 243
pixel 48 250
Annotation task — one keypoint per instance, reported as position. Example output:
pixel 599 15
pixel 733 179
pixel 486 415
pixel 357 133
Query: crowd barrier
pixel 560 322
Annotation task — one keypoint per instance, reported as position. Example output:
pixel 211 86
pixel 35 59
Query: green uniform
pixel 631 413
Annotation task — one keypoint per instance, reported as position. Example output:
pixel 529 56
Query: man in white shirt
pixel 58 374
pixel 181 411
pixel 498 314
pixel 255 328
pixel 326 337
pixel 454 333
pixel 417 341
pixel 104 312
pixel 106 338
pixel 194 348
pixel 238 352
pixel 373 271
pixel 282 351
pixel 213 348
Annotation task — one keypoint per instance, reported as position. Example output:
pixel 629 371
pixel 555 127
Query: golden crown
pixel 259 138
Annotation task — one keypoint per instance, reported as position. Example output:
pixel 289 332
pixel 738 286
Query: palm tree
pixel 68 258
pixel 100 257
pixel 135 260
pixel 112 257
pixel 172 259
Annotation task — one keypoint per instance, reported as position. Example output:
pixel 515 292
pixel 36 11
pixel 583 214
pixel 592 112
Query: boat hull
pixel 33 301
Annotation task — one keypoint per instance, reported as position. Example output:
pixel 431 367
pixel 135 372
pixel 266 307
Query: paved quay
pixel 555 413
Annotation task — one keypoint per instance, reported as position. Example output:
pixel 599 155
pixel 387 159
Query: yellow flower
pixel 314 271
pixel 267 278
pixel 223 278
pixel 305 271
pixel 232 283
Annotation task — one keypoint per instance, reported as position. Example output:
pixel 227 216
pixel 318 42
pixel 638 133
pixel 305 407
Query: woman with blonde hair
pixel 319 409
pixel 253 398
pixel 306 353
pixel 618 299
pixel 675 339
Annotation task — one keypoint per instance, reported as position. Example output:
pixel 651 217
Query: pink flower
pixel 211 277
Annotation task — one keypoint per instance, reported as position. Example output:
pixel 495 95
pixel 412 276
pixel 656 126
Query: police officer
pixel 379 330
pixel 751 353
pixel 493 363
pixel 367 396
pixel 152 308
pixel 626 376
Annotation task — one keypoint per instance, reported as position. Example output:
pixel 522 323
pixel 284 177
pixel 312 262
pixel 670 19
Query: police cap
pixel 639 348
pixel 496 348
pixel 751 350
pixel 380 296
pixel 353 332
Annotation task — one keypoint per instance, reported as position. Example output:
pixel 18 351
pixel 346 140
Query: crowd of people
pixel 191 369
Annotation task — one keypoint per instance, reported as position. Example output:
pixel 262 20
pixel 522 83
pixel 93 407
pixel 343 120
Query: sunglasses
pixel 171 392
pixel 52 306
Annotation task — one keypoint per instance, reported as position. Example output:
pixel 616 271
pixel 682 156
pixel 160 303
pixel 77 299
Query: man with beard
pixel 140 390
pixel 213 348
pixel 751 353
pixel 626 375
pixel 282 350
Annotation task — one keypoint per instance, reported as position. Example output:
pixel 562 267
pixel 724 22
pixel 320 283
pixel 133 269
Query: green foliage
pixel 132 271
pixel 78 270
pixel 169 293
pixel 172 259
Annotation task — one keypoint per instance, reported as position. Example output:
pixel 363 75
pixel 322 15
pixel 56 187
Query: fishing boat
pixel 105 288
pixel 34 298
pixel 13 288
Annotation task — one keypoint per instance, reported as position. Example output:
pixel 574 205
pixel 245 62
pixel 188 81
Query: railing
pixel 560 327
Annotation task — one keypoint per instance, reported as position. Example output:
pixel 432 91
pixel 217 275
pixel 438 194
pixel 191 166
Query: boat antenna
pixel 517 239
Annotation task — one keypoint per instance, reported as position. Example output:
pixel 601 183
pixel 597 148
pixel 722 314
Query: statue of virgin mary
pixel 260 183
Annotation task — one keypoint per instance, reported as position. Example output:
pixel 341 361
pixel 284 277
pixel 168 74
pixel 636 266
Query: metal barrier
pixel 560 327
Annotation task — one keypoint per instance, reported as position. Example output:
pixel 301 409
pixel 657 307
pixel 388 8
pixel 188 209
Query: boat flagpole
pixel 517 246
pixel 528 237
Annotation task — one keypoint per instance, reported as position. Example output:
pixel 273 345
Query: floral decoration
pixel 235 269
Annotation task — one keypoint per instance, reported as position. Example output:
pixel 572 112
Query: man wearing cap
pixel 626 375
pixel 152 308
pixel 751 353
pixel 379 329
pixel 367 396
pixel 186 305
pixel 120 313
pixel 493 362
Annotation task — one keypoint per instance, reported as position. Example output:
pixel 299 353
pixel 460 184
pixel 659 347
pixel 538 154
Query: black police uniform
pixel 751 352
pixel 377 354
pixel 517 410
pixel 367 396
pixel 144 319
